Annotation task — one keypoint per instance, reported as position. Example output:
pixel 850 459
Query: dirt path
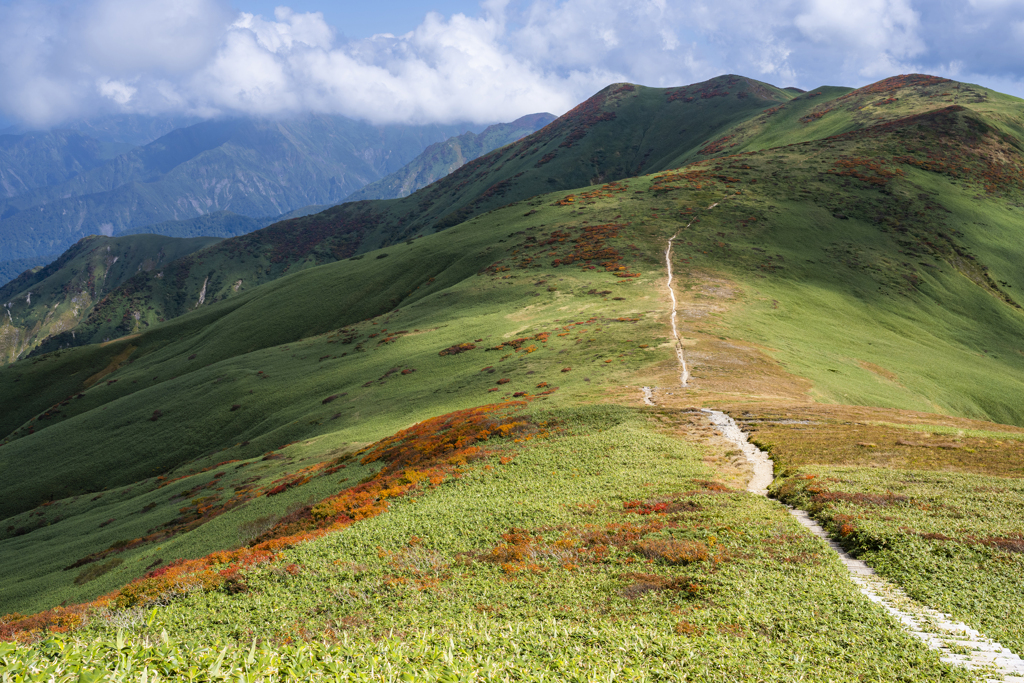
pixel 958 643
pixel 684 375
pixel 758 459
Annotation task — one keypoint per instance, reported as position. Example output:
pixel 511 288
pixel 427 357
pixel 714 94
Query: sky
pixel 409 61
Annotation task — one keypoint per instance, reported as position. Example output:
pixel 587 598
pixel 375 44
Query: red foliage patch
pixel 423 455
pixel 457 349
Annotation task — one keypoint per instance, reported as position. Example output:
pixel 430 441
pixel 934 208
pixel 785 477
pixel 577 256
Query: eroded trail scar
pixel 684 375
pixel 758 459
pixel 936 630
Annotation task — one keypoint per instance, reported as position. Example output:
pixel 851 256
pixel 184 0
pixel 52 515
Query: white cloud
pixel 120 37
pixel 288 30
pixel 515 57
pixel 115 90
pixel 875 35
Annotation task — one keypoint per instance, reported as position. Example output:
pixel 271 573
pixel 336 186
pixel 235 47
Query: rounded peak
pixel 900 82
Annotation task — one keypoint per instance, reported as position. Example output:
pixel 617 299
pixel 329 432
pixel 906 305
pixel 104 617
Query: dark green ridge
pixel 442 158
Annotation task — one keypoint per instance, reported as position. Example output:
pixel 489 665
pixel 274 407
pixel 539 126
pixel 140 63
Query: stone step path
pixel 959 644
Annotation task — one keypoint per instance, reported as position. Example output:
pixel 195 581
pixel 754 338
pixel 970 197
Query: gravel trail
pixel 958 643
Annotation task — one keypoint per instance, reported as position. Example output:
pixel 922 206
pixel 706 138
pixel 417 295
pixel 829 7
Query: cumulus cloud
pixel 198 57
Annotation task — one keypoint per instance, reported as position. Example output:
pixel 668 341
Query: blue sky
pixel 460 60
pixel 362 19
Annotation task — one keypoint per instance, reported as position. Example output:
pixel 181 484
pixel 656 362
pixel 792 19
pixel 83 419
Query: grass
pixel 575 538
pixel 199 426
pixel 502 277
pixel 952 540
pixel 797 436
pixel 937 513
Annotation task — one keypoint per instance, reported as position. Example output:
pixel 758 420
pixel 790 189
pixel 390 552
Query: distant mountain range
pixel 59 188
pixel 216 178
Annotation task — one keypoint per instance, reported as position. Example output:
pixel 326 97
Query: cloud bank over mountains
pixel 62 60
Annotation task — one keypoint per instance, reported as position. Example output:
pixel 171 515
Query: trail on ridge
pixel 684 375
pixel 936 630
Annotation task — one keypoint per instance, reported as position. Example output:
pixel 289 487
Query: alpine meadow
pixel 708 383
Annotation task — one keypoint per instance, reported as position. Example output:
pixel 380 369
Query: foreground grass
pixel 604 550
pixel 952 540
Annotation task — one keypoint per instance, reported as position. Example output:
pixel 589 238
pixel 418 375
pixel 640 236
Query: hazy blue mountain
pixel 12 269
pixel 254 168
pixel 35 160
pixel 216 224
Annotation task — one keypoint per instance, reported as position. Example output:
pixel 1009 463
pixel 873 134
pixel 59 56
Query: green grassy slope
pixel 877 292
pixel 532 565
pixel 54 299
pixel 878 264
pixel 446 303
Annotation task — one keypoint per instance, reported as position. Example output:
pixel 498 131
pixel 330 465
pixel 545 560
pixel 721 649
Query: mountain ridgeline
pixel 621 131
pixel 442 158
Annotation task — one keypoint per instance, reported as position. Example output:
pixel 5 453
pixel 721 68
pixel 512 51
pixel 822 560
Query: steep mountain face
pixel 54 299
pixel 35 160
pixel 129 130
pixel 255 168
pixel 442 158
pixel 452 153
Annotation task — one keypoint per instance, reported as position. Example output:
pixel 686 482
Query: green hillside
pixel 612 135
pixel 50 300
pixel 432 458
pixel 621 131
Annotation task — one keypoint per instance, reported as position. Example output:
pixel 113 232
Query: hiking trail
pixel 958 643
